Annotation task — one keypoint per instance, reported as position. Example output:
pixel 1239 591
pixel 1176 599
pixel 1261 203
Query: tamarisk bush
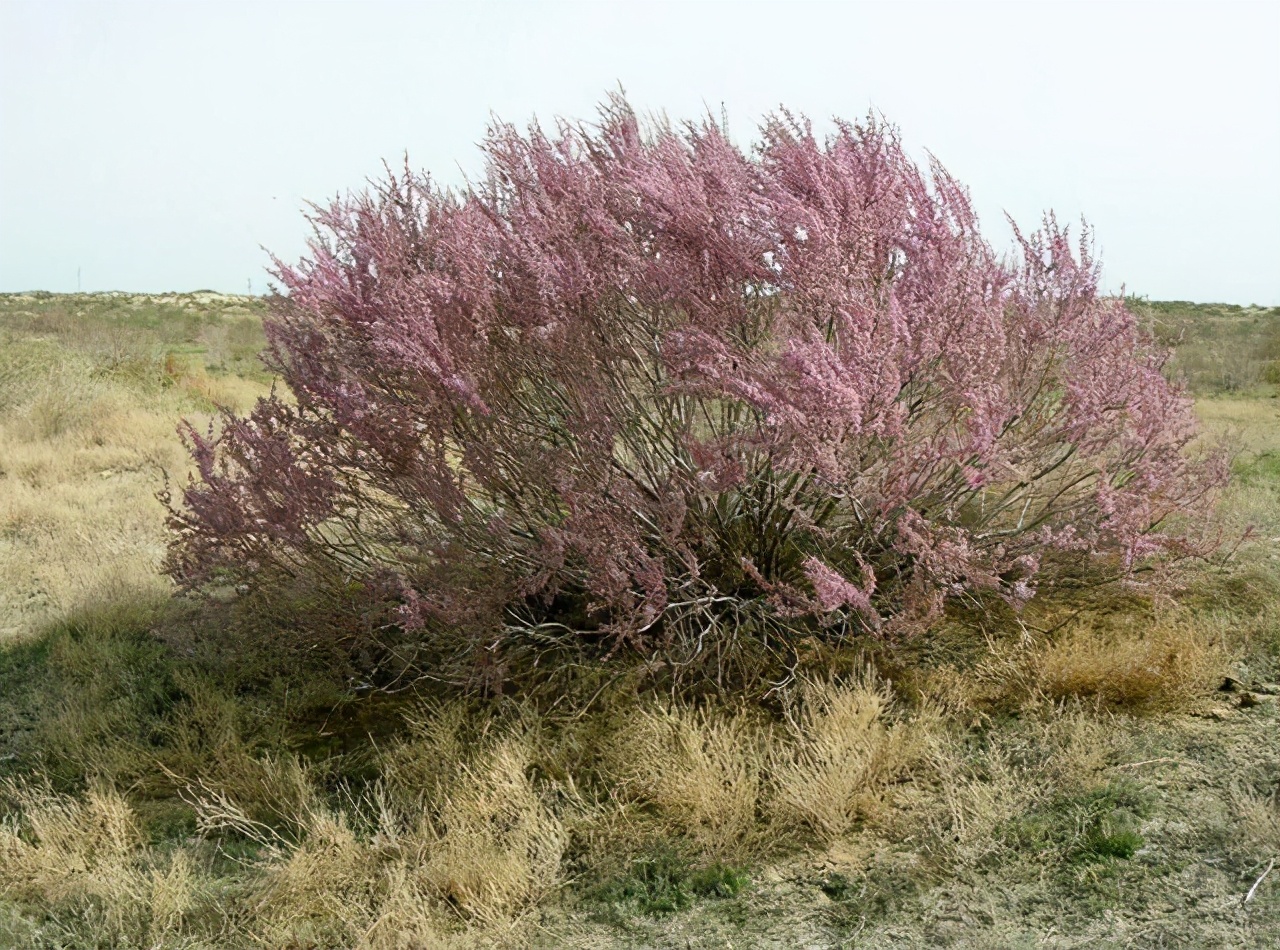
pixel 639 388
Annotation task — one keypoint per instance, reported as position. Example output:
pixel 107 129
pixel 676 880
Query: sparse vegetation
pixel 1221 349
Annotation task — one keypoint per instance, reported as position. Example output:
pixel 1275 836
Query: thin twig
pixel 1248 897
pixel 1134 765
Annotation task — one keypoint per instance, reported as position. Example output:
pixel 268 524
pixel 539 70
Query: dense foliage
pixel 640 388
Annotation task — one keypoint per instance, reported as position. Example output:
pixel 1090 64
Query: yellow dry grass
pixel 1139 661
pixel 726 783
pixel 396 868
pixel 82 455
pixel 1165 665
pixel 1253 425
pixel 89 856
pixel 841 752
pixel 700 770
pixel 87 860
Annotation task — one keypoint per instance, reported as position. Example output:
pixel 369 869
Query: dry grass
pixel 841 754
pixel 85 862
pixel 1140 661
pixel 497 845
pixel 1251 427
pixel 83 450
pixel 78 522
pixel 1167 666
pixel 971 795
pixel 730 784
pixel 976 796
pixel 1259 818
pixel 700 769
pixel 424 763
pixel 88 857
pixel 397 869
pixel 1252 424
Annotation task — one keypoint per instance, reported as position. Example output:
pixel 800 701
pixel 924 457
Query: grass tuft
pixel 840 755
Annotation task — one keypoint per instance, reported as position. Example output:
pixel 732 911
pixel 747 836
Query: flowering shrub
pixel 642 388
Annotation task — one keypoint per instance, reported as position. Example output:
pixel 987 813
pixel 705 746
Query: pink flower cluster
pixel 643 379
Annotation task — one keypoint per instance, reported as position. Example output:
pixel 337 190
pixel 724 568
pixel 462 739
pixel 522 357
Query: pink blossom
pixel 649 372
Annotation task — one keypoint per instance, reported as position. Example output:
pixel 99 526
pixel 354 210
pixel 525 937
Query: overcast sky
pixel 163 146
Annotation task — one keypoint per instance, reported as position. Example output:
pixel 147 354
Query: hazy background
pixel 161 146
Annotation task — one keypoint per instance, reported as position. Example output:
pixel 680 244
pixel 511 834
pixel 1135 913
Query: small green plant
pixel 1088 828
pixel 719 880
pixel 1103 842
pixel 664 882
pixel 836 886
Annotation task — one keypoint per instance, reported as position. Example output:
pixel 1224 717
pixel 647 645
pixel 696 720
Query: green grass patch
pixel 1103 843
pixel 665 882
pixel 1262 469
pixel 1096 825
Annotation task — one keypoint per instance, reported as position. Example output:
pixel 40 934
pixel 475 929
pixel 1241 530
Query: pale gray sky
pixel 161 146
